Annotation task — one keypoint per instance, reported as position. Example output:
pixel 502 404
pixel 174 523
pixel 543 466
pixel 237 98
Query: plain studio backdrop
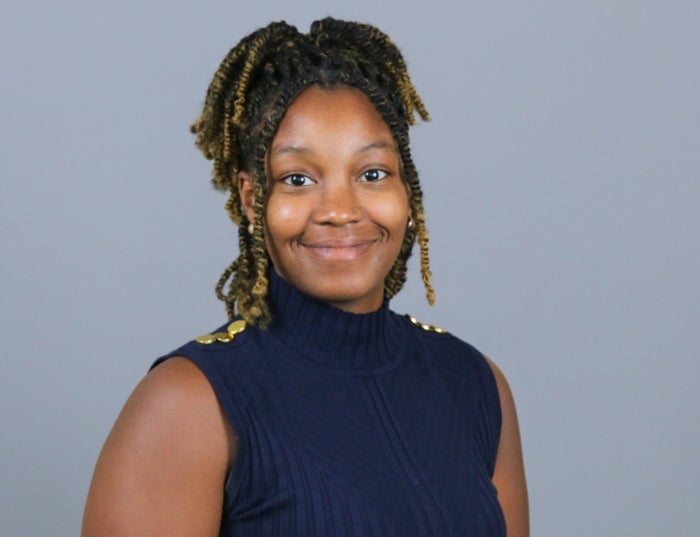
pixel 561 175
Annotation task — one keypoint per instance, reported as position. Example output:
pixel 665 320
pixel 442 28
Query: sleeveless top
pixel 354 425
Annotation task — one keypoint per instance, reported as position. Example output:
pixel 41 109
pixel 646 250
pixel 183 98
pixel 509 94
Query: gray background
pixel 561 178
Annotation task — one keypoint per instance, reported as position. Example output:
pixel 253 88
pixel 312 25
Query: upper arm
pixel 509 474
pixel 163 466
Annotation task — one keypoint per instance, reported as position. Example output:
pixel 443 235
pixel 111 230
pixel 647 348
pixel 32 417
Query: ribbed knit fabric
pixel 354 425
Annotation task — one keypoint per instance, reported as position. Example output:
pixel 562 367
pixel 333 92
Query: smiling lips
pixel 339 249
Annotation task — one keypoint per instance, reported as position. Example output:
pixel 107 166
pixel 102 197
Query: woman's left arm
pixel 509 474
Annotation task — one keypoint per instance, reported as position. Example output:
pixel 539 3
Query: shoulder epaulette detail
pixel 426 327
pixel 236 327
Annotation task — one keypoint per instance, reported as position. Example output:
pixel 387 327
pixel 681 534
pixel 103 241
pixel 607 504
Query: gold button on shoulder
pixel 426 327
pixel 206 339
pixel 236 327
pixel 223 337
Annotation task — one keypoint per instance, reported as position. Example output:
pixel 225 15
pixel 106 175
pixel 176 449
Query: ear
pixel 246 189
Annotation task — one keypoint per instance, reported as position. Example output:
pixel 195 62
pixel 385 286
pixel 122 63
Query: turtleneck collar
pixel 360 343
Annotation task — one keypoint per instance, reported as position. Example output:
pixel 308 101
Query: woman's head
pixel 246 102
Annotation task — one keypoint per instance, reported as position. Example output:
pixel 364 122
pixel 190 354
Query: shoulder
pixel 177 399
pixel 509 473
pixel 222 343
pixel 170 439
pixel 174 407
pixel 505 394
pixel 451 351
pixel 174 385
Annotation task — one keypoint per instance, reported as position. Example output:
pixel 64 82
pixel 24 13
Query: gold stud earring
pixel 411 222
pixel 251 228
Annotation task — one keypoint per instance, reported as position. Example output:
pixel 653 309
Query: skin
pixel 162 469
pixel 335 219
pixel 509 473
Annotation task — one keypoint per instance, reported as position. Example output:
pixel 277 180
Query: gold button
pixel 426 327
pixel 206 339
pixel 236 327
pixel 223 337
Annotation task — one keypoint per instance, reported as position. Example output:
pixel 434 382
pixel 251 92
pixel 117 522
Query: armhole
pixel 225 395
pixel 491 411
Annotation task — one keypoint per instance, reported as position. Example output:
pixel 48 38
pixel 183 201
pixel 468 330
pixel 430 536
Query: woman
pixel 317 410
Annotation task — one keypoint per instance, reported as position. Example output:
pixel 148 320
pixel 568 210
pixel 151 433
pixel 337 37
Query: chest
pixel 404 453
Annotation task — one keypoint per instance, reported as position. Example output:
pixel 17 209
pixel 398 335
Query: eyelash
pixel 382 174
pixel 289 179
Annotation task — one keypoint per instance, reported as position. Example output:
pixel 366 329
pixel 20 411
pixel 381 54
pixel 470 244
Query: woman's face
pixel 337 207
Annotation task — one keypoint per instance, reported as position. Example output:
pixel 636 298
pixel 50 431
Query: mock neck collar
pixel 362 343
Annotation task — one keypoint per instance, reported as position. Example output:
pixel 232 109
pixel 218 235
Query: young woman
pixel 316 410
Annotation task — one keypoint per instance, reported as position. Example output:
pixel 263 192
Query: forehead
pixel 340 113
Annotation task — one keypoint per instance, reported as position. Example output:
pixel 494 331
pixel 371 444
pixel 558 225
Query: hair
pixel 252 89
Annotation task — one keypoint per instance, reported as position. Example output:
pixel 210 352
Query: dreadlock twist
pixel 250 92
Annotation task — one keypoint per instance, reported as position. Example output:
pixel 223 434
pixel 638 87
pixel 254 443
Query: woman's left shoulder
pixel 509 473
pixel 450 349
pixel 505 393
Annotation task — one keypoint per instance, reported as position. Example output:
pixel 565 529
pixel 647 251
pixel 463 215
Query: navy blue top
pixel 354 425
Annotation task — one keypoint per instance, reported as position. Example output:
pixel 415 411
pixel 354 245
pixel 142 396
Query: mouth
pixel 339 250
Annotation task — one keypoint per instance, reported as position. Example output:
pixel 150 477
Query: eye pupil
pixel 372 175
pixel 297 180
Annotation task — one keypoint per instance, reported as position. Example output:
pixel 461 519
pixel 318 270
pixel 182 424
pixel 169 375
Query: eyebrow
pixel 286 149
pixel 301 150
pixel 380 144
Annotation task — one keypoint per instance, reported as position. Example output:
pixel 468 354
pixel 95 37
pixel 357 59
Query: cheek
pixel 392 211
pixel 282 219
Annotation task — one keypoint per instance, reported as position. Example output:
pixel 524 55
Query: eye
pixel 374 175
pixel 298 180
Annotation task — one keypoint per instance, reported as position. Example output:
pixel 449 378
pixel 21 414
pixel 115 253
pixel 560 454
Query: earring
pixel 411 222
pixel 250 228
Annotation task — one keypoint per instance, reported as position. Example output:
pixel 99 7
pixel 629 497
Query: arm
pixel 162 469
pixel 509 475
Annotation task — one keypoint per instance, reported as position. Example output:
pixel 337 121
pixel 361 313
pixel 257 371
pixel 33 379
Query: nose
pixel 339 203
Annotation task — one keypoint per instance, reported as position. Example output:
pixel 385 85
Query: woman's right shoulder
pixel 176 387
pixel 170 439
pixel 176 375
pixel 175 400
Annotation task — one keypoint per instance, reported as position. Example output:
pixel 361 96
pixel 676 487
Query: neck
pixel 342 340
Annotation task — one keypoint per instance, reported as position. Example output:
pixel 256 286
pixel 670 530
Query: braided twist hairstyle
pixel 252 89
